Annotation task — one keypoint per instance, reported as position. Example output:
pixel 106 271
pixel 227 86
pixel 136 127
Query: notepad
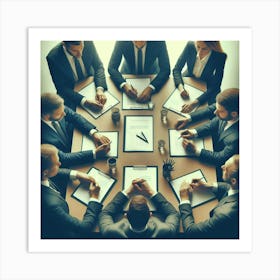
pixel 149 173
pixel 90 93
pixel 175 102
pixel 175 144
pixel 138 134
pixel 130 104
pixel 199 196
pixel 87 143
pixel 105 182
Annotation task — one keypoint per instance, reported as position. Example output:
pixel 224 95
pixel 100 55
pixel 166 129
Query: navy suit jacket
pixel 63 76
pixel 155 227
pixel 226 142
pixel 205 113
pixel 212 74
pixel 223 221
pixel 56 222
pixel 156 62
pixel 68 123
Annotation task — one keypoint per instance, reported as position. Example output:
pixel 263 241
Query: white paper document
pixel 130 104
pixel 87 143
pixel 139 134
pixel 149 173
pixel 199 196
pixel 175 144
pixel 90 93
pixel 175 101
pixel 104 181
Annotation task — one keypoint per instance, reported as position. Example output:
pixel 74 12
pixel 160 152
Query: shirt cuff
pixel 100 88
pixel 122 85
pixel 186 201
pixel 73 174
pixel 94 199
pixel 92 131
pixel 84 99
pixel 93 154
pixel 194 132
pixel 154 194
pixel 152 87
pixel 215 185
pixel 198 152
pixel 124 193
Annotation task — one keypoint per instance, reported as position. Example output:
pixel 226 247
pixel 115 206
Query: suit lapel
pixel 131 56
pixel 65 65
pixel 208 69
pixel 225 133
pixel 224 200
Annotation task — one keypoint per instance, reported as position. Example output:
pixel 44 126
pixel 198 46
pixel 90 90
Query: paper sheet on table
pixel 175 145
pixel 105 182
pixel 175 101
pixel 90 92
pixel 149 173
pixel 199 196
pixel 87 143
pixel 136 125
pixel 140 84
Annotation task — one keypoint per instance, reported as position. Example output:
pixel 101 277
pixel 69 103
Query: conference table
pixel 183 165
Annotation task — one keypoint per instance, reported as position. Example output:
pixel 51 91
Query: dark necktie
pixel 139 61
pixel 78 69
pixel 60 132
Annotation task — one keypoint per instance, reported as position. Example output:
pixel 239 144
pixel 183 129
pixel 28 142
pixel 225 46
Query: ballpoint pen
pixel 141 138
pixel 144 136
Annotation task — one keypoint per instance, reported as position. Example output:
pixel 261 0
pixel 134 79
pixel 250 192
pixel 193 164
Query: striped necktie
pixel 139 62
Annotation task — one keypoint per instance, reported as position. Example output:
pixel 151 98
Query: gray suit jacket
pixel 155 227
pixel 223 221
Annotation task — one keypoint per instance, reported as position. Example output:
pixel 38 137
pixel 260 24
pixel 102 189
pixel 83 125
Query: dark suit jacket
pixel 212 73
pixel 223 221
pixel 56 222
pixel 63 77
pixel 156 62
pixel 155 227
pixel 68 123
pixel 226 143
pixel 205 113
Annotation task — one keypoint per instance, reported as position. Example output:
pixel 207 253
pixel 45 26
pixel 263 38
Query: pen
pixel 144 136
pixel 179 137
pixel 141 138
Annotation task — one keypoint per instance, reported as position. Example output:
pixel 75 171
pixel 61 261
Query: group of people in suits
pixel 70 62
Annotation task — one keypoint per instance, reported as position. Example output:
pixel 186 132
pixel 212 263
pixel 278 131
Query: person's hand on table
pixel 198 183
pixel 182 123
pixel 93 105
pixel 184 94
pixel 145 96
pixel 130 91
pixel 102 150
pixel 100 139
pixel 84 178
pixel 187 134
pixel 143 187
pixel 185 191
pixel 188 107
pixel 100 96
pixel 189 146
pixel 94 190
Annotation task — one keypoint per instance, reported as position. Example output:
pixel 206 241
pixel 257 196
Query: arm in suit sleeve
pixel 177 70
pixel 114 64
pixel 110 212
pixel 78 121
pixel 206 113
pixel 99 75
pixel 167 210
pixel 63 86
pixel 164 67
pixel 214 82
pixel 72 224
pixel 77 158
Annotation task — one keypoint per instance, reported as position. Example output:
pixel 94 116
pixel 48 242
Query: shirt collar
pixel 231 192
pixel 138 231
pixel 45 183
pixel 204 59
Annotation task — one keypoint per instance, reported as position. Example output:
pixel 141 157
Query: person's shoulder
pixel 55 51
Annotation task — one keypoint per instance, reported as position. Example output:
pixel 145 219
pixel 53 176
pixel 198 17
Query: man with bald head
pixel 224 218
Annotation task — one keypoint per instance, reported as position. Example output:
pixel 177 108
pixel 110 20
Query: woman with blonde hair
pixel 204 60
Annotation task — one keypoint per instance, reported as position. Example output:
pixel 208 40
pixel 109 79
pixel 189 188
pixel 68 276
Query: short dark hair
pixel 138 212
pixel 229 99
pixel 47 152
pixel 50 102
pixel 69 43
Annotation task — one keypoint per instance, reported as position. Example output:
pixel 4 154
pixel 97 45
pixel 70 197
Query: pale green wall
pixel 104 48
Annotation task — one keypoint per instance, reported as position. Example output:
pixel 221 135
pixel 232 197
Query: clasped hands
pixel 98 103
pixel 94 188
pixel 187 188
pixel 140 186
pixel 102 144
pixel 131 92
